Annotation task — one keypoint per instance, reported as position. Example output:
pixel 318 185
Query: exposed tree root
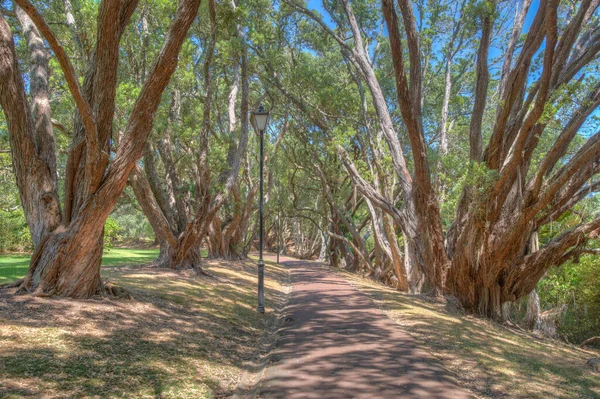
pixel 43 294
pixel 114 291
pixel 590 341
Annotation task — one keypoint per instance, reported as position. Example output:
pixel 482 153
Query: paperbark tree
pixel 67 259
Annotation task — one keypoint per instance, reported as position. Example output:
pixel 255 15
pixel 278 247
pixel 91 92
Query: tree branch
pixel 70 76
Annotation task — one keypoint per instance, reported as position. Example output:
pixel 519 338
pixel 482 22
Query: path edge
pixel 250 382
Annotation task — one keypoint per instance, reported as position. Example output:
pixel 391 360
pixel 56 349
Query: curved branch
pixel 368 191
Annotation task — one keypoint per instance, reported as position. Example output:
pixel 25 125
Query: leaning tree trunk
pixel 30 129
pixel 170 256
pixel 68 262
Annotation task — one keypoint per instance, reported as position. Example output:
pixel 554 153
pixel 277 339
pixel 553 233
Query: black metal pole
pixel 261 263
pixel 278 230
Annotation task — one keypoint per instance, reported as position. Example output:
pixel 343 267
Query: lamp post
pixel 278 228
pixel 260 119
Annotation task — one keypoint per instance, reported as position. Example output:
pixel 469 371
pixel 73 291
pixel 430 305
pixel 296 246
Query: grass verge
pixel 182 336
pixel 489 359
pixel 14 266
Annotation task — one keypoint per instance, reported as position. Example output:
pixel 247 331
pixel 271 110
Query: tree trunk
pixel 67 263
pixel 176 258
pixel 533 310
pixel 30 129
pixel 414 272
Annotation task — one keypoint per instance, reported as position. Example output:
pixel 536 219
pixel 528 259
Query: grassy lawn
pixel 14 266
pixel 491 360
pixel 183 336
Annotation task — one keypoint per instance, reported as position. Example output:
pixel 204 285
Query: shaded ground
pixel 338 344
pixel 182 336
pixel 490 359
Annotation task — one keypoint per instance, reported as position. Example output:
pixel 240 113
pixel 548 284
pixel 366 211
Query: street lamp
pixel 278 228
pixel 260 119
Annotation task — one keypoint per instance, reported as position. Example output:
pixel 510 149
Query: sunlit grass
pixel 14 266
pixel 128 256
pixel 490 359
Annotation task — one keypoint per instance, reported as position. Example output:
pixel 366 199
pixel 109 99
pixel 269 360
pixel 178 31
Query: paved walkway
pixel 339 345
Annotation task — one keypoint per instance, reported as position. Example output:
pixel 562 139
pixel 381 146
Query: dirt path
pixel 338 344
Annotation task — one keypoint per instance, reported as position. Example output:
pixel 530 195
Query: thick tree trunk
pixel 225 243
pixel 67 262
pixel 176 258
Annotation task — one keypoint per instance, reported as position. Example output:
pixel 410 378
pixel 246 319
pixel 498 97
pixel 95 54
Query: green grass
pixel 128 256
pixel 14 266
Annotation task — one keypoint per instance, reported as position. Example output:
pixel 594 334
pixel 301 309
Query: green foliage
pixel 14 232
pixel 112 232
pixel 575 285
pixel 475 175
pixel 133 226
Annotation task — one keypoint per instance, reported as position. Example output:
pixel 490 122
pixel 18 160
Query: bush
pixel 14 232
pixel 574 285
pixel 112 232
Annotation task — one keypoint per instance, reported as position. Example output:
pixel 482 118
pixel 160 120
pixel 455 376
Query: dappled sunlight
pixel 488 358
pixel 180 336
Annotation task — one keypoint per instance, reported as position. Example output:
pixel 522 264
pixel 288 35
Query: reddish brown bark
pixel 424 196
pixel 488 259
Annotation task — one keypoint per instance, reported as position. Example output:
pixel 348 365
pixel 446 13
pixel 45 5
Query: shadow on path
pixel 337 344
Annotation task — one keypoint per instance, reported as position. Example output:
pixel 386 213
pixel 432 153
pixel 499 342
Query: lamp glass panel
pixel 261 121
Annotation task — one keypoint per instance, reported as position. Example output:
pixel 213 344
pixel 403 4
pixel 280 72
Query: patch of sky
pixel 317 6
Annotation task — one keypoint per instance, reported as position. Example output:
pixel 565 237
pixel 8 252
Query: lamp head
pixel 260 119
